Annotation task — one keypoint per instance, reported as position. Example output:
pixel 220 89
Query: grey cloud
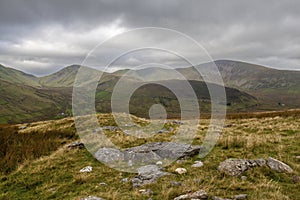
pixel 55 33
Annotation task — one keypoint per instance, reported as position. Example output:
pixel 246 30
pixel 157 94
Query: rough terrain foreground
pixel 58 176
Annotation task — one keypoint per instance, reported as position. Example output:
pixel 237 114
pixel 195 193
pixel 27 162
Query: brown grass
pixel 56 175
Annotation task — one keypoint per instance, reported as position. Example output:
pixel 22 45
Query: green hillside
pixel 23 103
pixel 15 76
pixel 62 78
pixel 250 87
pixel 144 97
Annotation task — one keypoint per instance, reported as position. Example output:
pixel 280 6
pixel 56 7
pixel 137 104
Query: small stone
pixel 92 198
pixel 124 180
pixel 86 169
pixel 296 179
pixel 159 163
pixel 177 122
pixel 22 127
pixel 97 130
pixel 218 198
pixel 146 191
pixel 228 125
pixel 197 180
pixel 201 194
pixel 240 196
pixel 78 145
pixel 176 184
pixel 297 157
pixel 162 131
pixel 181 170
pixel 181 161
pixel 197 164
pixel 278 165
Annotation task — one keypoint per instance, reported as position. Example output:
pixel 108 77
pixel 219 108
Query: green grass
pixel 56 175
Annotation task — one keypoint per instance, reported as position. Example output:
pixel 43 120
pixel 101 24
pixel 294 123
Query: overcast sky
pixel 40 37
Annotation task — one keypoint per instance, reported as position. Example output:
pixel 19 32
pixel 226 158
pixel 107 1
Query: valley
pixel 249 88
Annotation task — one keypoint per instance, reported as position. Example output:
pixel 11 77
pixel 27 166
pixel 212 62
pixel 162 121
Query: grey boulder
pixel 236 167
pixel 147 174
pixel 278 165
pixel 148 153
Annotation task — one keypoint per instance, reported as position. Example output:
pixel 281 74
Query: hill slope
pixel 272 87
pixel 144 97
pixel 23 103
pixel 56 175
pixel 62 78
pixel 15 76
pixel 256 88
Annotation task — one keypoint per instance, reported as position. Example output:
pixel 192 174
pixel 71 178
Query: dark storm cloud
pixel 41 36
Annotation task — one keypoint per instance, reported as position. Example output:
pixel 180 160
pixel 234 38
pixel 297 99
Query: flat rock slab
pixel 148 153
pixel 235 167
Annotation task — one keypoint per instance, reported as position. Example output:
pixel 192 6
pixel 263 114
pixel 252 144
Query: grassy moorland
pixel 40 166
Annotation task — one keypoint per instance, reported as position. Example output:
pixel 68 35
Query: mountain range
pixel 249 87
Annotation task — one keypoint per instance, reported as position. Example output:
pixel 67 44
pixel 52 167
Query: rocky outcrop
pixel 235 167
pixel 167 150
pixel 150 156
pixel 148 153
pixel 278 165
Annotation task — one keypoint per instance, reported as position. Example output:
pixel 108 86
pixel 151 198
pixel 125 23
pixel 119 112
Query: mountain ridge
pixel 261 88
